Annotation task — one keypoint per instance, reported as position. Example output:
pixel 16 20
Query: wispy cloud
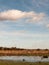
pixel 47 25
pixel 17 14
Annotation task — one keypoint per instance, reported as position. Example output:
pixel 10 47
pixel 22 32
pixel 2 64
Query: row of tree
pixel 14 48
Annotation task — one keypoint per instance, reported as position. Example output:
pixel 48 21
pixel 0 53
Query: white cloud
pixel 37 17
pixel 47 25
pixel 11 15
pixel 17 14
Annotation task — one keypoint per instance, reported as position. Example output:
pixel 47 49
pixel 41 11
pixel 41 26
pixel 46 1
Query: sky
pixel 24 24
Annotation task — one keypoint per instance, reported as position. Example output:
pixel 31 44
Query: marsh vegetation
pixel 22 63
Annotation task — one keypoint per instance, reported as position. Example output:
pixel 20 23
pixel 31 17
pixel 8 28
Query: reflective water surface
pixel 25 58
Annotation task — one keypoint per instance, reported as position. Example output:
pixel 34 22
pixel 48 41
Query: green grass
pixel 22 63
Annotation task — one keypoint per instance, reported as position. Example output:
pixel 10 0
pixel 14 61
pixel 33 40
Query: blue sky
pixel 24 24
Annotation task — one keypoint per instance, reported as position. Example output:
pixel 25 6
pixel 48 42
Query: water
pixel 25 58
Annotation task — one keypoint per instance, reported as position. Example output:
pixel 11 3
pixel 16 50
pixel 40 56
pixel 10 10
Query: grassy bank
pixel 22 63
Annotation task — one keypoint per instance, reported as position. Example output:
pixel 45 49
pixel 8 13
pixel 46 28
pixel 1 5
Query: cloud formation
pixel 11 15
pixel 17 14
pixel 47 25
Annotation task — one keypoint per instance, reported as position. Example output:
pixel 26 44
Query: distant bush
pixel 45 56
pixel 38 49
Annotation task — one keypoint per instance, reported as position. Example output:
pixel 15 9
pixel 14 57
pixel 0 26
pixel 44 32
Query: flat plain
pixel 5 62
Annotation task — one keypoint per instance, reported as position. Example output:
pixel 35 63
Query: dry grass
pixel 22 63
pixel 25 52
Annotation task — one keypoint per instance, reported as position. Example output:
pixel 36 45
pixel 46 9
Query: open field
pixel 23 52
pixel 19 52
pixel 22 63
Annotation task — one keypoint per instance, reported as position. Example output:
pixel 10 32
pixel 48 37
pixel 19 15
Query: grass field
pixel 22 63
